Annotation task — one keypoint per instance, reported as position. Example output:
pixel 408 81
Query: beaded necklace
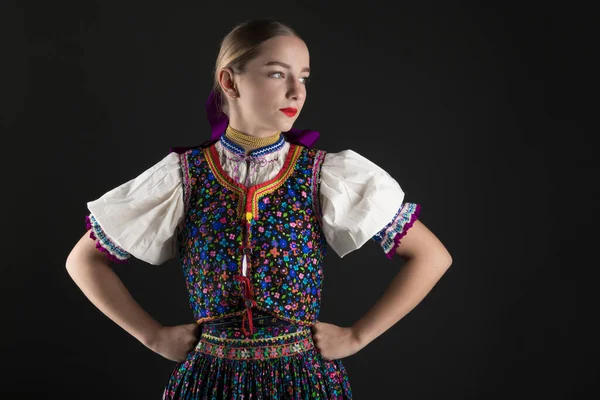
pixel 250 141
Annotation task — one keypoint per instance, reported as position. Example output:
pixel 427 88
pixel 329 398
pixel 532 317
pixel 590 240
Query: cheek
pixel 267 95
pixel 261 89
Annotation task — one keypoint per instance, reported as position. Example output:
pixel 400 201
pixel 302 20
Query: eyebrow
pixel 285 65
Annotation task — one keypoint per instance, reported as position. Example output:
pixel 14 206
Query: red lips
pixel 290 111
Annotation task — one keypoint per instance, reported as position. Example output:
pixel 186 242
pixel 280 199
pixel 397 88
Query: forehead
pixel 288 49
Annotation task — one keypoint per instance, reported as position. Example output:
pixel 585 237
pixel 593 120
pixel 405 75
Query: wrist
pixel 152 337
pixel 357 338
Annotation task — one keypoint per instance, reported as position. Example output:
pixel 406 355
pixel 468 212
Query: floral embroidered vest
pixel 258 247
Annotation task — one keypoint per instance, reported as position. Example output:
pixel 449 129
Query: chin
pixel 285 127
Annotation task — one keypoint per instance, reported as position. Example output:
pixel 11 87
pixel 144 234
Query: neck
pixel 249 142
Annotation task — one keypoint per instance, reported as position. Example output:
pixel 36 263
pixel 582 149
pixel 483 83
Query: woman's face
pixel 273 80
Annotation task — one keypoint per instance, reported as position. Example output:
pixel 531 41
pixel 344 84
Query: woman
pixel 250 213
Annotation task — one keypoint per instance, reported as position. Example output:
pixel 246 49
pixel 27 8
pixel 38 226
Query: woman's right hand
pixel 175 342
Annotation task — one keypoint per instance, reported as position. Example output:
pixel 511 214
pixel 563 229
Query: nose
pixel 296 90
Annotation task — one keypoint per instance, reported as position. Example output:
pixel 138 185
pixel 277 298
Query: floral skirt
pixel 278 361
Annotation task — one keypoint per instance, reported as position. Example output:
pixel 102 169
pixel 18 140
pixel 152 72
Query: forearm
pixel 106 291
pixel 412 283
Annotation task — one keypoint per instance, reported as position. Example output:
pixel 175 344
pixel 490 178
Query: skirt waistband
pixel 267 342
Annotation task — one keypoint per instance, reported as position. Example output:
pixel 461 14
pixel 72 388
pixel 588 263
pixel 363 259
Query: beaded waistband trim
pixel 256 349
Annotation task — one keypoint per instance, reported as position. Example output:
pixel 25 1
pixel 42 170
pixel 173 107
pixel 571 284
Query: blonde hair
pixel 240 46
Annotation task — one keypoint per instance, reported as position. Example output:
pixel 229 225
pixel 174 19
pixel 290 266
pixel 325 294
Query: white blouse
pixel 359 200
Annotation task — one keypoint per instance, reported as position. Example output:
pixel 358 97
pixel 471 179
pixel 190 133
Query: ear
pixel 226 80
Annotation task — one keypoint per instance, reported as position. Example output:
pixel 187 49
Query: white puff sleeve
pixel 361 201
pixel 139 218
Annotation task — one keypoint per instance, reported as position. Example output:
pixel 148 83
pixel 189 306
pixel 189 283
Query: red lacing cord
pixel 248 296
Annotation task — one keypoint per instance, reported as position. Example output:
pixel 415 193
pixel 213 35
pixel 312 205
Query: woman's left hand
pixel 334 342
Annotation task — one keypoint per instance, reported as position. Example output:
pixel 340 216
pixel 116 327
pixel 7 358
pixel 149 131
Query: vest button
pixel 248 303
pixel 247 250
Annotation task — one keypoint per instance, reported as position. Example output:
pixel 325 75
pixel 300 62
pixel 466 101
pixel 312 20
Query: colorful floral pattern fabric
pixel 272 228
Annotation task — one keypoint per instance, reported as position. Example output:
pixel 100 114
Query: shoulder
pixel 186 153
pixel 346 154
pixel 348 175
pixel 341 163
pixel 351 161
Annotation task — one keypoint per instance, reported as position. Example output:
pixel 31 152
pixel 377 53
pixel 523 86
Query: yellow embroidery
pixel 287 335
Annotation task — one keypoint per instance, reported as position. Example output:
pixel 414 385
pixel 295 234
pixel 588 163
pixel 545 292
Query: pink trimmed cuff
pixel 103 243
pixel 390 236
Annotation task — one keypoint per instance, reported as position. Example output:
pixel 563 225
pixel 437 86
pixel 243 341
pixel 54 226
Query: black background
pixel 476 111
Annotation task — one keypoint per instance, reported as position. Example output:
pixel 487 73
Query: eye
pixel 274 73
pixel 306 78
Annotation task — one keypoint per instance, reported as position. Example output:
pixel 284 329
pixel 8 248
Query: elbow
pixel 444 259
pixel 441 259
pixel 74 258
pixel 79 263
pixel 441 255
pixel 448 260
pixel 72 261
pixel 83 253
pixel 440 263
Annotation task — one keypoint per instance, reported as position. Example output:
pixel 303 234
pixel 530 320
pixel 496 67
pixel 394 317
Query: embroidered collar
pixel 231 146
